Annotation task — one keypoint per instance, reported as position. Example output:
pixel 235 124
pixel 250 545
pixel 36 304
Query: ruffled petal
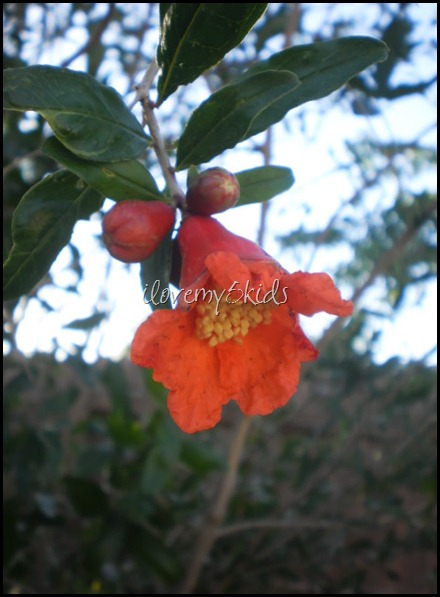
pixel 263 372
pixel 185 365
pixel 268 274
pixel 160 328
pixel 311 293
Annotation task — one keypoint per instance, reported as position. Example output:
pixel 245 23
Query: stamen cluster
pixel 229 321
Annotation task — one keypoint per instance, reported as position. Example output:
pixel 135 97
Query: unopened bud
pixel 213 191
pixel 132 230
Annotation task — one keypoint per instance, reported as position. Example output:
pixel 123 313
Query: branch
pixel 18 160
pixel 100 28
pixel 210 531
pixel 143 96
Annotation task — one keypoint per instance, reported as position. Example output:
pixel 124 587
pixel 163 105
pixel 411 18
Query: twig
pixel 18 160
pixel 209 532
pixel 143 96
pixel 143 89
pixel 292 21
pixel 100 28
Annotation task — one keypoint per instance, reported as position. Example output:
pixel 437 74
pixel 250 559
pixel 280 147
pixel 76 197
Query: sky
pixel 320 189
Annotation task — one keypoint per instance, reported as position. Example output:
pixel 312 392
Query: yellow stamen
pixel 218 323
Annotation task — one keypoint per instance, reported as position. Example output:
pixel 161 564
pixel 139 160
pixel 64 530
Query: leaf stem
pixel 210 531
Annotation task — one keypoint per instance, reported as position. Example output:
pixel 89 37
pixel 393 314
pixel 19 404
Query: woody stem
pixel 143 95
pixel 209 532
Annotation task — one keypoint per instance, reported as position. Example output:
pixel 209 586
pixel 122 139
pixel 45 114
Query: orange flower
pixel 234 334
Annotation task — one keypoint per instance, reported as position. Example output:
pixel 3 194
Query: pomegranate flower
pixel 235 333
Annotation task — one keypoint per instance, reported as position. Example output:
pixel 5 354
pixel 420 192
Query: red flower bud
pixel 134 229
pixel 213 191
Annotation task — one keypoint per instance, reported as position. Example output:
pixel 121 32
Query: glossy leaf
pixel 117 180
pixel 321 67
pixel 89 118
pixel 155 276
pixel 42 225
pixel 196 36
pixel 223 120
pixel 163 9
pixel 261 184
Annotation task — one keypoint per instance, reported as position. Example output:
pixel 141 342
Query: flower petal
pixel 185 365
pixel 228 270
pixel 312 293
pixel 263 372
pixel 259 370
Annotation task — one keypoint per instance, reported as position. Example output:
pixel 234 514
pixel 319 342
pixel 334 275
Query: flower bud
pixel 132 230
pixel 213 191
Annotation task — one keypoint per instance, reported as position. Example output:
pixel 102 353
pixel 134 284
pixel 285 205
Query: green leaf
pixel 117 180
pixel 223 120
pixel 263 183
pixel 42 225
pixel 89 118
pixel 322 68
pixel 163 9
pixel 195 37
pixel 155 276
pixel 87 498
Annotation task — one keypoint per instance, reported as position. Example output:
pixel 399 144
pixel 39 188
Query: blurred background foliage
pixel 337 491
